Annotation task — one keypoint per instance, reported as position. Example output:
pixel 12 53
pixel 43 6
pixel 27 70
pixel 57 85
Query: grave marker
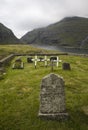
pixel 52 98
pixel 46 61
pixel 18 64
pixel 29 60
pixel 35 61
pixel 66 66
pixel 52 60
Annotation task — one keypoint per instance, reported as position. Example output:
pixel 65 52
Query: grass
pixel 19 96
pixel 9 49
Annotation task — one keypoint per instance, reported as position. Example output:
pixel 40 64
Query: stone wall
pixel 6 60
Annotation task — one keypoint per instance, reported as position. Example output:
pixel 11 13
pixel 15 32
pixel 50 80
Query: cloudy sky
pixel 24 15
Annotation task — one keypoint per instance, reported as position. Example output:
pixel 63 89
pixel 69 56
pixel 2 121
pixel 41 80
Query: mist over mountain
pixel 7 36
pixel 69 32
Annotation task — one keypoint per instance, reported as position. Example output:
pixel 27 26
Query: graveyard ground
pixel 19 96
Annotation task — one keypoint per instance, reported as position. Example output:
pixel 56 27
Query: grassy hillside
pixel 71 31
pixel 21 49
pixel 7 36
pixel 19 96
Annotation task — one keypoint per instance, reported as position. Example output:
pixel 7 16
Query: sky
pixel 22 16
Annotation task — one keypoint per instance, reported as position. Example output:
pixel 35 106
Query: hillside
pixel 71 31
pixel 7 36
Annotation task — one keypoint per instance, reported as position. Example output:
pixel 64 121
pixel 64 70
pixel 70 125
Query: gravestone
pixel 18 64
pixel 53 58
pixel 18 60
pixel 41 59
pixel 29 60
pixel 66 66
pixel 52 98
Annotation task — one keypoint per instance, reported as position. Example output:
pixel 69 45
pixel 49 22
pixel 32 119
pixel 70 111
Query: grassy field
pixel 9 49
pixel 19 96
pixel 21 49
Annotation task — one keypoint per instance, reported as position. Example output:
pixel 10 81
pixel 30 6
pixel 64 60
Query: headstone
pixel 18 60
pixel 53 58
pixel 18 64
pixel 52 98
pixel 41 59
pixel 66 66
pixel 29 60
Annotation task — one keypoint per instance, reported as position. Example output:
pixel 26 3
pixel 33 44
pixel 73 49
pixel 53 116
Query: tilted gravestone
pixel 52 98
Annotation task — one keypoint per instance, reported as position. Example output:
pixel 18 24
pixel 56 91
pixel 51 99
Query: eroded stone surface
pixel 52 97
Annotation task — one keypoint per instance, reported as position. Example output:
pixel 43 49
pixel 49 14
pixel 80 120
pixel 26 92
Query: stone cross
pixel 52 98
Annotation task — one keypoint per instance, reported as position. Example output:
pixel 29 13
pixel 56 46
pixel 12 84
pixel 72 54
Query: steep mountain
pixel 7 36
pixel 70 31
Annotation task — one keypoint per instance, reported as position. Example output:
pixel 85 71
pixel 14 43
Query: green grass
pixel 19 96
pixel 21 49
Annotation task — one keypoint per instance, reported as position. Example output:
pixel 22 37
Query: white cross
pixel 46 60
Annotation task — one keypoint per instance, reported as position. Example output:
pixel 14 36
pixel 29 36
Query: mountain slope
pixel 71 31
pixel 7 36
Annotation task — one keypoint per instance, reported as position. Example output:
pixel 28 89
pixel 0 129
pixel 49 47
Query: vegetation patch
pixel 85 109
pixel 20 89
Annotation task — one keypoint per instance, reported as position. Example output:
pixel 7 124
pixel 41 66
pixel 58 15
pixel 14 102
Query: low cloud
pixel 24 15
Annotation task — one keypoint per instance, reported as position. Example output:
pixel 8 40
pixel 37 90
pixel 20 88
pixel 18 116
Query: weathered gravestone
pixel 18 64
pixel 52 98
pixel 66 66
